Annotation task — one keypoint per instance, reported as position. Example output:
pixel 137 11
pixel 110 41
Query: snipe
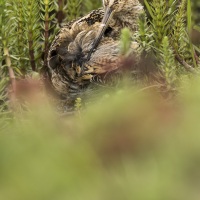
pixel 85 49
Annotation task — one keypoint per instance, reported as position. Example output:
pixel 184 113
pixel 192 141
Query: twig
pixel 148 87
pixel 60 13
pixel 31 51
pixel 46 33
pixel 196 57
pixel 186 65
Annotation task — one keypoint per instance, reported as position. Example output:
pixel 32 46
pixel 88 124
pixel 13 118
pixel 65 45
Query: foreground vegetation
pixel 131 145
pixel 136 142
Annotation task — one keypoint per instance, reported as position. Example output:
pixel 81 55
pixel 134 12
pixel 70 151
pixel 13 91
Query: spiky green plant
pixel 88 5
pixel 179 29
pixel 161 18
pixel 181 33
pixel 144 35
pixel 171 20
pixel 167 64
pixel 47 15
pixel 21 41
pixel 125 41
pixel 73 9
pixel 6 68
pixel 6 43
pixel 16 10
pixel 33 33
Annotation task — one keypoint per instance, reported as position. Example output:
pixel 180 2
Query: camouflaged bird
pixel 85 50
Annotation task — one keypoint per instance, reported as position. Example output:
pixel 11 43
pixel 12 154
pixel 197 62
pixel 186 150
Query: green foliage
pixel 47 7
pixel 26 32
pixel 161 14
pixel 88 5
pixel 3 100
pixel 78 104
pixel 125 41
pixel 167 64
pixel 6 43
pixel 33 33
pixel 132 145
pixel 20 47
pixel 73 9
pixel 179 29
pixel 6 68
pixel 144 35
pixel 167 32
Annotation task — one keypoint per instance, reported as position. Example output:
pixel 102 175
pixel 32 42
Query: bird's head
pixel 117 5
pixel 114 7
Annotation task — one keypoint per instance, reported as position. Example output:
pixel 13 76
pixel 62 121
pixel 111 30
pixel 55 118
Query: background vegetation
pixel 130 144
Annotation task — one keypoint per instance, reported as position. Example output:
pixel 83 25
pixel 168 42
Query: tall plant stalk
pixel 6 36
pixel 47 7
pixel 32 31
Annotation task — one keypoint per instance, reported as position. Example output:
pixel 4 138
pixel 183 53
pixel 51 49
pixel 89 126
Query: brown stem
pixel 186 65
pixel 60 13
pixel 46 36
pixel 31 51
pixel 12 79
pixel 196 57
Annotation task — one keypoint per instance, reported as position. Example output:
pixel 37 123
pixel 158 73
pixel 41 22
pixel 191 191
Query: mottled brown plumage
pixel 80 55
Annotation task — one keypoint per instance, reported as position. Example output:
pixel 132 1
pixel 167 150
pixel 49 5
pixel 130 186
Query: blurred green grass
pixel 131 144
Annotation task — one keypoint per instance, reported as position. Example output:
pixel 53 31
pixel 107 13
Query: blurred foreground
pixel 131 144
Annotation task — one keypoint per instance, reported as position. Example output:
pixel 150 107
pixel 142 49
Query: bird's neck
pixel 127 18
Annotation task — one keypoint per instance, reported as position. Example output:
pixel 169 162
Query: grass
pixel 131 144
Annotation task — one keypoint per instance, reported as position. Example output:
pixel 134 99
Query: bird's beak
pixel 103 26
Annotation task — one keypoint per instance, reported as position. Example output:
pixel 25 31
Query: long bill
pixel 103 26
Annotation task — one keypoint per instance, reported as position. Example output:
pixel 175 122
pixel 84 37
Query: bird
pixel 86 50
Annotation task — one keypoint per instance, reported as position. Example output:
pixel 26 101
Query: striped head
pixel 120 5
pixel 112 7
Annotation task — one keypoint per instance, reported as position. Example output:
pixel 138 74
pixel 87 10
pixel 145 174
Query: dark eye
pixel 53 53
pixel 108 31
